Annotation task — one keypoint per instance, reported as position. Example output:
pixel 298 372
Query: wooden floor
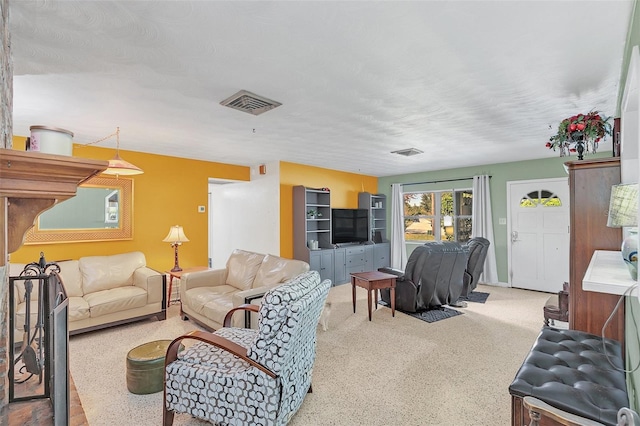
pixel 39 412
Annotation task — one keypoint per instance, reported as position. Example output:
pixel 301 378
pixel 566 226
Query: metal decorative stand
pixel 31 359
pixel 40 357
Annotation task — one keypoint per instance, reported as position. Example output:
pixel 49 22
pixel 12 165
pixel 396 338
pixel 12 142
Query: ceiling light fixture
pixel 118 166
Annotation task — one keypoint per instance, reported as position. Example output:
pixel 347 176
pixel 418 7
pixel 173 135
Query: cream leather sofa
pixel 103 291
pixel 207 296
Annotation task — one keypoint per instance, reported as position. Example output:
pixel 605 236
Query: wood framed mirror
pixel 102 210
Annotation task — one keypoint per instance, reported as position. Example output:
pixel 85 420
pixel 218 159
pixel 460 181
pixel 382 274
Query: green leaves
pixel 590 128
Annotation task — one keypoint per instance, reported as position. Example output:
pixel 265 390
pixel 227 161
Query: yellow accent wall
pixel 344 193
pixel 168 193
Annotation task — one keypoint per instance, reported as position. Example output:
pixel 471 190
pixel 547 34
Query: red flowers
pixel 588 128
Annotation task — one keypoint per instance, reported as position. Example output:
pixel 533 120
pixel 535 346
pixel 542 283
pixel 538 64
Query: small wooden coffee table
pixel 372 282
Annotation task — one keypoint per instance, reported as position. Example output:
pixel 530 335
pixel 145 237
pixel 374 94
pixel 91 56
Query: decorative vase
pixel 578 138
pixel 630 252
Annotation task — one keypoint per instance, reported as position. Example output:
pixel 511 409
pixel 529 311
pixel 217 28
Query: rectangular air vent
pixel 407 152
pixel 250 102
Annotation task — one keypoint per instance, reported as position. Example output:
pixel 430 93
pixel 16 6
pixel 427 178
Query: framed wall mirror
pixel 101 210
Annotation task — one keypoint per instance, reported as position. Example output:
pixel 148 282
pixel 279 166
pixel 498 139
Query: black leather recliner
pixel 433 277
pixel 478 248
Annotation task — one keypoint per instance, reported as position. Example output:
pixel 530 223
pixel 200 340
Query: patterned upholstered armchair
pixel 240 376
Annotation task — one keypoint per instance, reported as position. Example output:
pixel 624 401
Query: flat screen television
pixel 349 226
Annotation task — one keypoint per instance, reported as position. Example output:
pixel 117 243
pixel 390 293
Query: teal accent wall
pixel 545 168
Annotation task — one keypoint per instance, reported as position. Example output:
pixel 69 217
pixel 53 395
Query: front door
pixel 538 234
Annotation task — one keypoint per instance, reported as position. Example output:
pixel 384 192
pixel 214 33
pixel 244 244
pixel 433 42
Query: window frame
pixel 438 217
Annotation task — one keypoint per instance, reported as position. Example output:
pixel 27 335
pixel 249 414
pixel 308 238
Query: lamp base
pixel 630 252
pixel 176 266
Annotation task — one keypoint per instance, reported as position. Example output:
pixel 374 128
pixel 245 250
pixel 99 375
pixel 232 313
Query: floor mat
pixel 431 315
pixel 476 297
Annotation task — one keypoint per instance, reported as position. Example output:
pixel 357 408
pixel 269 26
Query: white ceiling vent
pixel 407 152
pixel 250 102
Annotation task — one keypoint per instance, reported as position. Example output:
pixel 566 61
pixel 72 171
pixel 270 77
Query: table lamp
pixel 623 212
pixel 176 237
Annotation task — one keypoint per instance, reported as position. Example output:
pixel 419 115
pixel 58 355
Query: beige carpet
pixel 390 371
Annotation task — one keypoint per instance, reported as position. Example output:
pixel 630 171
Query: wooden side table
pixel 178 275
pixel 372 282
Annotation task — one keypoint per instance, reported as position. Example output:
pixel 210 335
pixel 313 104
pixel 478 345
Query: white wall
pixel 630 121
pixel 245 215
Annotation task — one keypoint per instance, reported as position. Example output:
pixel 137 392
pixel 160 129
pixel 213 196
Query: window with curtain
pixel 438 215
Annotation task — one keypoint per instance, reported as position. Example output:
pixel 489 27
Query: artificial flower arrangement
pixel 580 132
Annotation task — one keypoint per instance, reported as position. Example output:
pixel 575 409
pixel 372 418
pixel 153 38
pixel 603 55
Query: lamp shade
pixel 623 206
pixel 176 235
pixel 118 166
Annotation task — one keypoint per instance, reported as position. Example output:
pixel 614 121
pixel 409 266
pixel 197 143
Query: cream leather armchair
pixel 207 296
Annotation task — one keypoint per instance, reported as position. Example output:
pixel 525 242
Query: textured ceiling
pixel 467 82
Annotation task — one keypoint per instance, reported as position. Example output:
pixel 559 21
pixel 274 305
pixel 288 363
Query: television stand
pixel 343 245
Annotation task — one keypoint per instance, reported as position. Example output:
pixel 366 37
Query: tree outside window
pixel 438 215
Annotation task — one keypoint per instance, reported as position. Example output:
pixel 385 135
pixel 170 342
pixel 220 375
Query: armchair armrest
pixel 243 307
pixel 152 281
pixel 539 409
pixel 246 296
pixel 208 278
pixel 218 341
pixel 397 272
pixel 249 296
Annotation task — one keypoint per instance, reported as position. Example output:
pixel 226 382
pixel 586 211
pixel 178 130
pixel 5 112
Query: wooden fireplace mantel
pixel 30 183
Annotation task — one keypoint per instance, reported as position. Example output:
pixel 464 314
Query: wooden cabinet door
pixel 340 267
pixel 381 255
pixel 590 184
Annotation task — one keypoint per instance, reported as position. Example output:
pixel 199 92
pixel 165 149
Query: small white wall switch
pixel 502 221
pixel 201 209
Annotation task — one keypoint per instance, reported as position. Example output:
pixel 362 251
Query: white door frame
pixel 509 223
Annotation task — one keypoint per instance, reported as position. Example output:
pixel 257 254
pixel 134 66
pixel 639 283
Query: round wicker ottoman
pixel 145 367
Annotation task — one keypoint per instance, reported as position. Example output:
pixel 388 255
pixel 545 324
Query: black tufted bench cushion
pixel 568 370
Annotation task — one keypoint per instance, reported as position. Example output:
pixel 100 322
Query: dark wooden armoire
pixel 590 183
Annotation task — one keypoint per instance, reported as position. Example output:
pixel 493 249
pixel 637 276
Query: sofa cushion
pixel 71 277
pixel 203 300
pixel 21 314
pixel 78 309
pixel 275 270
pixel 69 273
pixel 107 272
pixel 16 268
pixel 576 372
pixel 115 300
pixel 242 267
pixel 14 271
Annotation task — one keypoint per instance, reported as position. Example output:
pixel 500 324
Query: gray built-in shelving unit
pixel 336 263
pixel 376 204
